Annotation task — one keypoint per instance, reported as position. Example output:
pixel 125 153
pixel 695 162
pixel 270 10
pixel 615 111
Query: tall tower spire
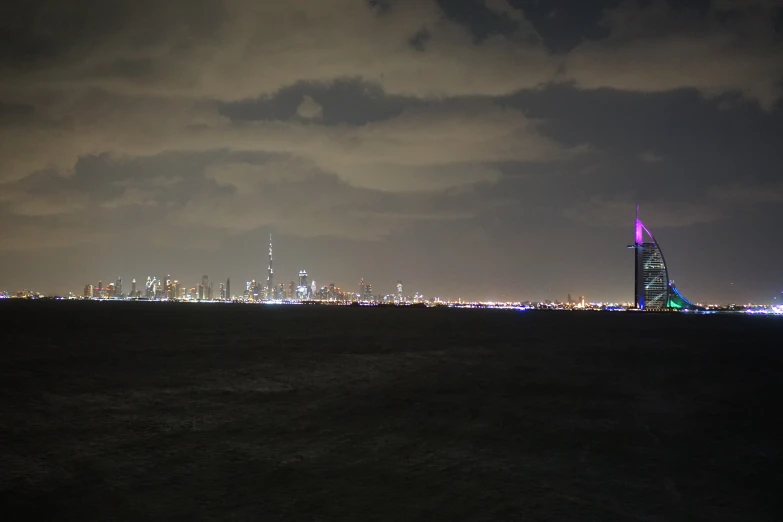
pixel 270 277
pixel 638 228
pixel 637 284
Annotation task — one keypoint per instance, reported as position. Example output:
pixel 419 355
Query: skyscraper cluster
pixel 303 289
pixel 159 289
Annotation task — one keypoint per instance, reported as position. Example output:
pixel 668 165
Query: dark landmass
pixel 160 411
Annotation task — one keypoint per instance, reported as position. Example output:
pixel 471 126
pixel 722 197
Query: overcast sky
pixel 478 149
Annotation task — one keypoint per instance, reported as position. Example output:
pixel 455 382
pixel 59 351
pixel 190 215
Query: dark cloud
pixel 438 135
pixel 343 101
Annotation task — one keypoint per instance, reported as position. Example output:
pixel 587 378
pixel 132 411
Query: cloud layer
pixel 145 78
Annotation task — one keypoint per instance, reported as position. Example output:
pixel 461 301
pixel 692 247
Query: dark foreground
pixel 155 411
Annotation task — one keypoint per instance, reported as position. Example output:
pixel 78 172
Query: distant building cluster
pixel 303 289
pixel 158 289
pixel 332 295
pixel 653 290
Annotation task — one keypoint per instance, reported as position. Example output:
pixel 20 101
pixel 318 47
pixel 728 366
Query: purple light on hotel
pixel 639 237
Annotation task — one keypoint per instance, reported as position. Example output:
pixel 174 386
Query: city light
pixel 654 292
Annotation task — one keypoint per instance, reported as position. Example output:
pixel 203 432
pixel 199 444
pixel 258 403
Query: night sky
pixel 478 149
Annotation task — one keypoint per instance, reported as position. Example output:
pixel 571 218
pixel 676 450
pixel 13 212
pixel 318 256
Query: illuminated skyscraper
pixel 362 289
pixel 228 288
pixel 399 290
pixel 653 290
pixel 302 290
pixel 203 288
pixel 133 287
pixel 270 277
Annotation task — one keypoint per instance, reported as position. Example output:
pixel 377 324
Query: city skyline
pixel 652 287
pixel 291 289
pixel 257 290
pixel 485 149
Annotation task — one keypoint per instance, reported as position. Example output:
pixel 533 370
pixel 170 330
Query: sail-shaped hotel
pixel 653 290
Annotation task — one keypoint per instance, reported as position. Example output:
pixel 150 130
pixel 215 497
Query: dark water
pixel 154 411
